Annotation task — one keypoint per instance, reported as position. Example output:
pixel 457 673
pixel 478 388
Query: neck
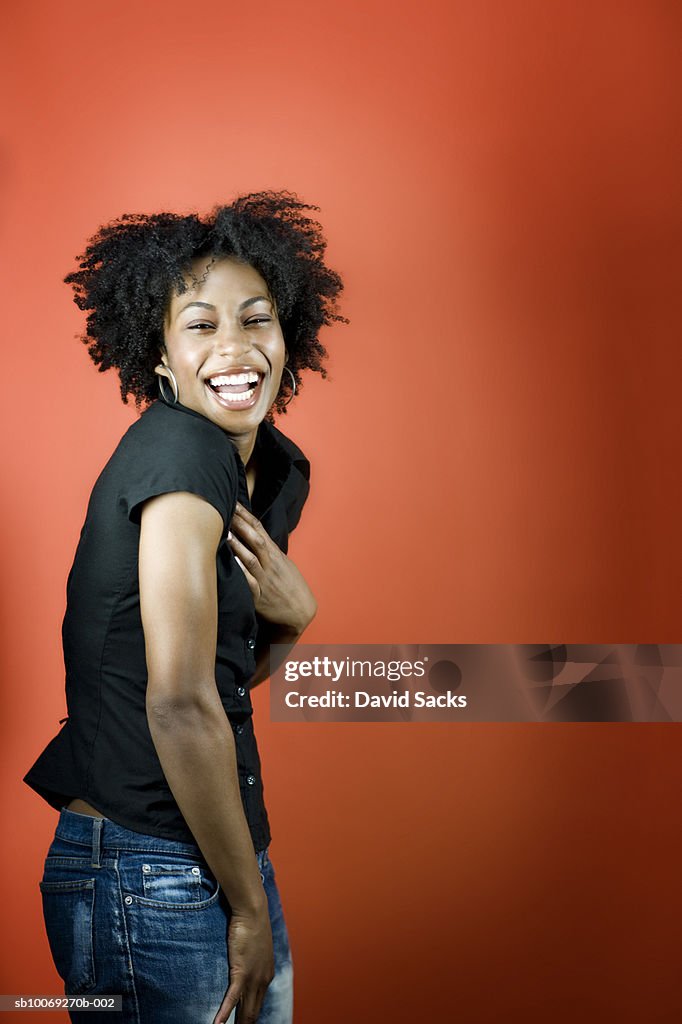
pixel 244 443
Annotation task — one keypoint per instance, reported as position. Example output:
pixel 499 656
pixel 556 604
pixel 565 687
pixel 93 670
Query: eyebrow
pixel 243 305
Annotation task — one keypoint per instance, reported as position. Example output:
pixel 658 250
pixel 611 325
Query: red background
pixel 496 457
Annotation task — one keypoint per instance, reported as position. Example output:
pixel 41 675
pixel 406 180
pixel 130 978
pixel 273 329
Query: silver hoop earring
pixel 174 385
pixel 293 384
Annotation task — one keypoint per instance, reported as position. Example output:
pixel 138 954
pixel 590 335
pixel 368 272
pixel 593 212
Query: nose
pixel 231 342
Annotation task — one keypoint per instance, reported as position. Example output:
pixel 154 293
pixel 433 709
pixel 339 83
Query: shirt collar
pixel 277 452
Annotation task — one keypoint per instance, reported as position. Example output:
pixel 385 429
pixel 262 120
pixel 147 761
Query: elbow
pixel 168 706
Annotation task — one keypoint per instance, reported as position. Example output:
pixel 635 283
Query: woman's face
pixel 224 343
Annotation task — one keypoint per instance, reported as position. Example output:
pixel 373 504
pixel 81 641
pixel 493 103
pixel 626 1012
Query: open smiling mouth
pixel 236 390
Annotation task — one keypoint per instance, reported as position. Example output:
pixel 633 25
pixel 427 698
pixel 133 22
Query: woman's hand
pixel 252 967
pixel 280 593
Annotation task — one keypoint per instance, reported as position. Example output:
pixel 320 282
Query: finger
pixel 249 1007
pixel 247 517
pixel 252 532
pixel 257 544
pixel 247 558
pixel 232 997
pixel 242 510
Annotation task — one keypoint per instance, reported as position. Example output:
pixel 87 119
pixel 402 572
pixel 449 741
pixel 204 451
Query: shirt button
pixel 251 644
pixel 250 779
pixel 239 729
pixel 240 691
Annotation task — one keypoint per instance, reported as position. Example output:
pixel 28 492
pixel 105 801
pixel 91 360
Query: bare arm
pixel 179 537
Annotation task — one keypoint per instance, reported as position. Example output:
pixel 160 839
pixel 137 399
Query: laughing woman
pixel 158 884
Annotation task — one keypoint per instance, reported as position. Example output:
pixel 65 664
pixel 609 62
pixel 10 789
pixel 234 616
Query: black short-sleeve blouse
pixel 104 752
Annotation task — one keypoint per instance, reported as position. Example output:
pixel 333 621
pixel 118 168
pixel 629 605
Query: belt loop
pixel 96 841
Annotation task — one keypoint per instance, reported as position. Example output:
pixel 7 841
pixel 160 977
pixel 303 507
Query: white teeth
pixel 235 378
pixel 239 396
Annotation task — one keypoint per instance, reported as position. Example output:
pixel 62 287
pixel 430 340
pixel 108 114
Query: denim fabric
pixel 144 917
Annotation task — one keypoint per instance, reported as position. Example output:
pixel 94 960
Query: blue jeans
pixel 130 913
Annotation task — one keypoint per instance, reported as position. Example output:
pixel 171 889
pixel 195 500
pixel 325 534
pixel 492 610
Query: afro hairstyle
pixel 132 265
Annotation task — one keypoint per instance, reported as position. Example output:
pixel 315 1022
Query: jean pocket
pixel 68 910
pixel 169 884
pixel 172 883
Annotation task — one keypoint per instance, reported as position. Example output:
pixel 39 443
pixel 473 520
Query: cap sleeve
pixel 182 453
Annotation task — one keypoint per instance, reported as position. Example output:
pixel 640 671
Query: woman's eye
pixel 203 325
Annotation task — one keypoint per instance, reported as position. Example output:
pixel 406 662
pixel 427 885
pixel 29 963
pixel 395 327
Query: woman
pixel 158 884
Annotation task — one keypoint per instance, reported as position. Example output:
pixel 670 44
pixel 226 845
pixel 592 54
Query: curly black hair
pixel 131 266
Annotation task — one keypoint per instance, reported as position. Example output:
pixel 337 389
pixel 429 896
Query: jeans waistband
pixel 100 834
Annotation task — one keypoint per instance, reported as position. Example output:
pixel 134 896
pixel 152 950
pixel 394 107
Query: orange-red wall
pixel 499 182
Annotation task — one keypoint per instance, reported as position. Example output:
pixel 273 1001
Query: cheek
pixel 186 359
pixel 188 364
pixel 280 353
